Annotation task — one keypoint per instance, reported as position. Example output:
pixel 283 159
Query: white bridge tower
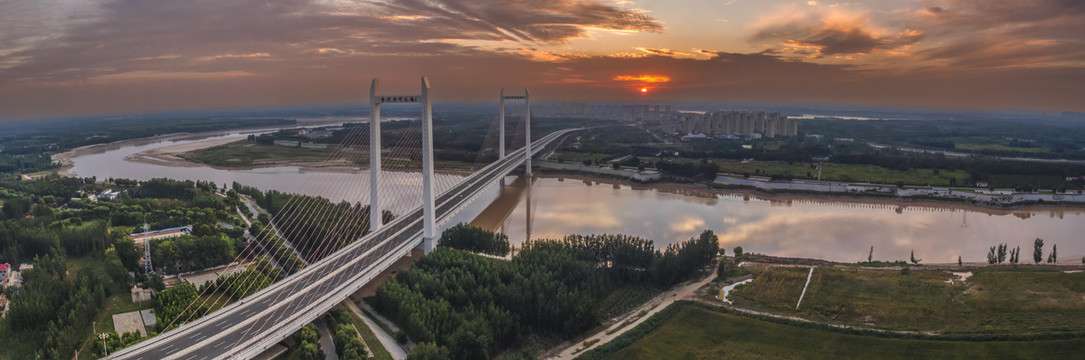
pixel 375 101
pixel 527 126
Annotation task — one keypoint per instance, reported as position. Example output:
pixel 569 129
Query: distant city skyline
pixel 73 58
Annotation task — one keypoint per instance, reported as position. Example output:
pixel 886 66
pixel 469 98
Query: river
pixel 840 230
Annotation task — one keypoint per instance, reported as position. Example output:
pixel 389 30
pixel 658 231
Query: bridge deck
pixel 244 329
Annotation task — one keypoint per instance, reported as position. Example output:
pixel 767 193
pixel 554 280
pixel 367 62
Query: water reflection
pixel 800 227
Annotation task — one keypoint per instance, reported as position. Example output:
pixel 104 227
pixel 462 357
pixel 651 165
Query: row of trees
pixel 997 254
pixel 191 253
pixel 704 170
pixel 315 225
pixel 347 344
pixel 475 239
pixel 276 247
pixel 473 307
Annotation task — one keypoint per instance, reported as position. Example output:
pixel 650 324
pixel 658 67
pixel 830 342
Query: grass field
pixel 699 333
pixel 846 172
pixel 244 154
pixel 776 289
pixel 1035 181
pixel 579 157
pixel 1022 301
pixel 921 300
pixel 991 301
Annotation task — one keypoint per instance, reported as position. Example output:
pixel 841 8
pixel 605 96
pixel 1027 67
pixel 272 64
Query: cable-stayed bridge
pixel 246 328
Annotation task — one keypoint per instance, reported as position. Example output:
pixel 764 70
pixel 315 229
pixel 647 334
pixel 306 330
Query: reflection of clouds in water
pixel 576 214
pixel 842 231
pixel 687 224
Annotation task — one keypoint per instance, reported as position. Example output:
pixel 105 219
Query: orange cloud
pixel 643 78
pixel 233 56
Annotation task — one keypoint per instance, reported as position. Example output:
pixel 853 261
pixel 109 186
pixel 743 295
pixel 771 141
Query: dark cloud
pixel 825 33
pixel 977 34
pixel 176 35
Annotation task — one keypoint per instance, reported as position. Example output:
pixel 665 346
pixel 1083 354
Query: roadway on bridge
pixel 245 328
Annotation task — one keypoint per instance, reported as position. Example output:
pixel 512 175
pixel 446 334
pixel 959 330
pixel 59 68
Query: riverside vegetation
pixel 458 305
pixel 82 255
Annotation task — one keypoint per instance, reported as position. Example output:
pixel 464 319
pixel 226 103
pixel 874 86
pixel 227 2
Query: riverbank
pixel 167 155
pixel 803 190
pixel 981 196
pixel 789 198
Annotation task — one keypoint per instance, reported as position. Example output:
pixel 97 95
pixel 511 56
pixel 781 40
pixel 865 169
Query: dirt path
pixel 653 306
pixel 804 287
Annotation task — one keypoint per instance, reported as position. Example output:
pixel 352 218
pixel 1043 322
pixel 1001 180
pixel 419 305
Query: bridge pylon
pixel 375 101
pixel 527 124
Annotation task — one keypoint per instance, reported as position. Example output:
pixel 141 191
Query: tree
pixel 1053 258
pixel 738 252
pixel 870 256
pixel 309 351
pixel 308 339
pixel 722 268
pixel 992 255
pixel 475 239
pixel 428 351
pixel 1001 253
pixel 1038 250
pixel 914 260
pixel 959 263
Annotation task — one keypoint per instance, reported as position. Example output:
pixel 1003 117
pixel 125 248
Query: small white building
pixel 140 294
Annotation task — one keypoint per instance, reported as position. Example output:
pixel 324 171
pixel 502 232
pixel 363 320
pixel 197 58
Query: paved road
pixel 327 341
pixel 243 329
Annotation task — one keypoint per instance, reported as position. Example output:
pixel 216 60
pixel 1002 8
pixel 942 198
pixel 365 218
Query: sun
pixel 643 90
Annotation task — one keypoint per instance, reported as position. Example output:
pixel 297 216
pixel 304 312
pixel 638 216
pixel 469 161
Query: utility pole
pixel 148 267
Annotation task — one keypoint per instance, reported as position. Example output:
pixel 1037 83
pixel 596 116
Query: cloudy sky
pixel 81 57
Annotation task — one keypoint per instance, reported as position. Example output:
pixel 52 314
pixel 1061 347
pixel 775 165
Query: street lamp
pixel 103 336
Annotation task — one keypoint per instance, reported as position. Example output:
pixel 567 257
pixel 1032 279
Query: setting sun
pixel 643 90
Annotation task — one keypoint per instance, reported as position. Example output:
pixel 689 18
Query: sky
pixel 87 57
